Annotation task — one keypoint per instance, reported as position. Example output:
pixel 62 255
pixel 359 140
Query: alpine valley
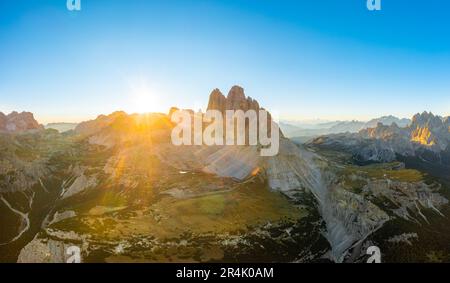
pixel 117 188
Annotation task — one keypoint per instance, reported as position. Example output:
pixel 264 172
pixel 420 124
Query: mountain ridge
pixel 337 127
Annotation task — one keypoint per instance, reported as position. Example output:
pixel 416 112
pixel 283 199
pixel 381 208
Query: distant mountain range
pixel 308 131
pixel 426 138
pixel 61 127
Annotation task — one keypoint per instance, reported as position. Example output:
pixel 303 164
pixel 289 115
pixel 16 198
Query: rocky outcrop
pixel 408 197
pixel 235 100
pixel 406 238
pixel 217 101
pixel 53 247
pixel 350 218
pixel 43 251
pixel 18 122
pixel 292 169
pixel 78 183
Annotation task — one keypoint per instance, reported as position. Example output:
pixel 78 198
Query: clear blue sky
pixel 303 59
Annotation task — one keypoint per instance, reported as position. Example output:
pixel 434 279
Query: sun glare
pixel 143 98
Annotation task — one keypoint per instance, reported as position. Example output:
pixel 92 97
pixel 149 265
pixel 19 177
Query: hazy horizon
pixel 330 60
pixel 286 120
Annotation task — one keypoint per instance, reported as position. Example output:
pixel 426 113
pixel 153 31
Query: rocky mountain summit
pixel 235 100
pixel 18 122
pixel 431 131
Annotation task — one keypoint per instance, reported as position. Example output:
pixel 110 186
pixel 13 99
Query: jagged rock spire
pixel 235 100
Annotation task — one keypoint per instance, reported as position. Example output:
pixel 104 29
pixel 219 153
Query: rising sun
pixel 143 98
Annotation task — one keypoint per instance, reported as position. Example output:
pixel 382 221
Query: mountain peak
pixel 217 101
pixel 426 119
pixel 235 100
pixel 236 92
pixel 18 122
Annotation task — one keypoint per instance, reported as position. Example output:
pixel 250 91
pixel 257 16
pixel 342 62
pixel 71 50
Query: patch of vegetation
pixel 384 171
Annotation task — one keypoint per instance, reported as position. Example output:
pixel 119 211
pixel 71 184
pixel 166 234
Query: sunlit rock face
pixel 18 122
pixel 237 100
pixel 423 136
pixel 430 130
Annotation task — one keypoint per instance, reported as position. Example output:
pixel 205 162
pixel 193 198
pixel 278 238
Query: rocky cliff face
pixel 430 131
pixel 18 122
pixel 217 101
